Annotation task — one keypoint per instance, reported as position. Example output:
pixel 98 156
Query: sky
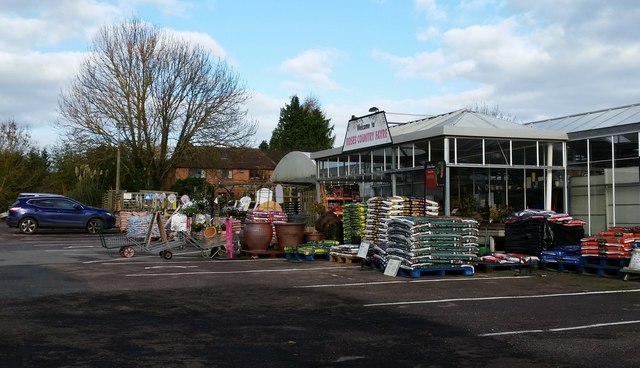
pixel 532 59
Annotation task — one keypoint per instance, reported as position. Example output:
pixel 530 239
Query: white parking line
pixel 238 272
pixel 501 298
pixel 595 325
pixel 407 281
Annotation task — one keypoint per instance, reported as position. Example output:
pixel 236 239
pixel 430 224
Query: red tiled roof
pixel 225 158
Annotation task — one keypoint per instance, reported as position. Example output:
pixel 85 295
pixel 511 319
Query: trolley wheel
pixel 217 252
pixel 166 254
pixel 127 251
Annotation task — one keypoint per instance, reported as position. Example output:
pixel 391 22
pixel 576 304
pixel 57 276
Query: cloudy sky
pixel 534 59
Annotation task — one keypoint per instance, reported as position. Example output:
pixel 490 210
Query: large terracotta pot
pixel 289 234
pixel 257 235
pixel 315 236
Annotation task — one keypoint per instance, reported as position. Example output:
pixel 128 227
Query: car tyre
pixel 94 225
pixel 28 225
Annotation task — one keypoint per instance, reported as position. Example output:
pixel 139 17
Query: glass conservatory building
pixel 585 165
pixel 466 161
pixel 602 165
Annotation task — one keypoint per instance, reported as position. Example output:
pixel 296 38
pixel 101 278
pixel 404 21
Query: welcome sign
pixel 367 131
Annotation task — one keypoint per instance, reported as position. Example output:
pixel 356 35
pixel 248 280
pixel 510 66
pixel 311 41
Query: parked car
pixel 22 195
pixel 56 211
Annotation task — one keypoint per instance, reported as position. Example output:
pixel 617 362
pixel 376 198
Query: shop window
pixel 469 151
pixel 576 152
pixel 497 151
pixel 626 146
pixel 600 150
pixel 333 168
pixel 421 152
pixel 558 153
pixel 378 160
pixel 388 159
pixel 524 153
pixel 365 162
pixel 323 168
pixel 405 156
pixel 353 165
pixel 436 147
pixel 342 164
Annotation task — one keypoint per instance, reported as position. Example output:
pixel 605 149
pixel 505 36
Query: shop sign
pixel 434 172
pixel 367 131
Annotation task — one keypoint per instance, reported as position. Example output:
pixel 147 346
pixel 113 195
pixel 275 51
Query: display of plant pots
pixel 209 232
pixel 314 236
pixel 256 236
pixel 289 234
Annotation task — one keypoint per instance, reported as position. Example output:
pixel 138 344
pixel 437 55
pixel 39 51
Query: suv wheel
pixel 94 225
pixel 28 225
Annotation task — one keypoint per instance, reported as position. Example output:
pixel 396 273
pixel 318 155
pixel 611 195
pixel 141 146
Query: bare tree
pixel 492 111
pixel 164 94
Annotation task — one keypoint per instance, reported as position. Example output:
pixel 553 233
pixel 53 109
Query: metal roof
pixel 595 123
pixel 460 123
pixel 471 124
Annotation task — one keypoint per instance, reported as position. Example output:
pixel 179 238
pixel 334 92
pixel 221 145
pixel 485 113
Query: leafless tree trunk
pixel 164 94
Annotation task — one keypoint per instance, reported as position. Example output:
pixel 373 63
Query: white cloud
pixel 27 24
pixel 431 9
pixel 169 7
pixel 312 66
pixel 493 49
pixel 266 111
pixel 428 34
pixel 205 41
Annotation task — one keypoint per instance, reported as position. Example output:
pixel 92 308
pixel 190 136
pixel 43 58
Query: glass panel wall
pixel 405 156
pixel 421 153
pixel 378 160
pixel 469 151
pixel 365 162
pixel 626 201
pixel 388 159
pixel 333 167
pixel 524 153
pixel 437 149
pixel 534 181
pixel 323 166
pixel 496 151
pixel 353 166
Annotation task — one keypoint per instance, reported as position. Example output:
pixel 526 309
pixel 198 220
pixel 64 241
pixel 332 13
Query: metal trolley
pixel 128 246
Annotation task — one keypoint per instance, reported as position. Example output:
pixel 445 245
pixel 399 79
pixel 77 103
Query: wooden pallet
pixel 344 259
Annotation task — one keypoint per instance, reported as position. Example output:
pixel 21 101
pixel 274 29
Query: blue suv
pixel 55 211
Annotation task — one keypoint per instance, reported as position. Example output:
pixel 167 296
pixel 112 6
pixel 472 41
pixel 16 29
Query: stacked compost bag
pixel 380 210
pixel 354 216
pixel 532 231
pixel 615 242
pixel 422 243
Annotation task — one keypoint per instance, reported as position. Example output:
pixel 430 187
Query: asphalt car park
pixel 66 301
